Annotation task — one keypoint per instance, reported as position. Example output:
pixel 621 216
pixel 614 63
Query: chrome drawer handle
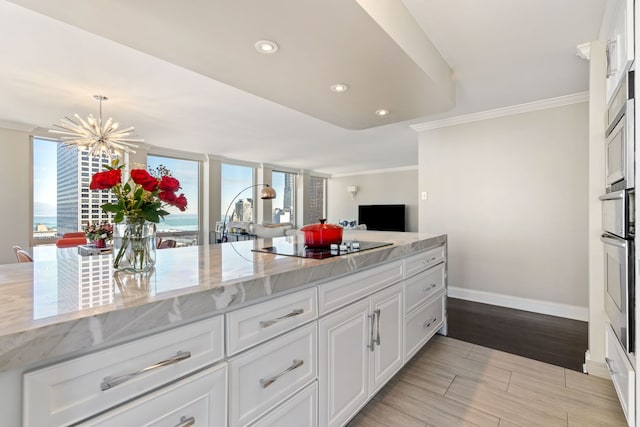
pixel 372 341
pixel 377 313
pixel 428 288
pixel 267 323
pixel 429 322
pixel 424 261
pixel 608 362
pixel 266 382
pixel 110 382
pixel 186 422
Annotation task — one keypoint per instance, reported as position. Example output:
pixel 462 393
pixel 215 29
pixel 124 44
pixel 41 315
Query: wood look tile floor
pixel 452 383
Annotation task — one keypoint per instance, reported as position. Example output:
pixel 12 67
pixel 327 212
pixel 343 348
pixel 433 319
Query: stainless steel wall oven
pixel 618 213
pixel 620 141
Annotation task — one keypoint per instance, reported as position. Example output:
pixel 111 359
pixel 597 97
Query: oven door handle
pixel 613 196
pixel 615 241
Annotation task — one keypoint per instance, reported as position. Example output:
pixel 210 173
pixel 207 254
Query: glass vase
pixel 134 246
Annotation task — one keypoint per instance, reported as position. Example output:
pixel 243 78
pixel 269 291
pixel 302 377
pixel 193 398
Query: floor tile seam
pixel 382 402
pixel 508 417
pixel 579 396
pixel 575 407
pixel 524 402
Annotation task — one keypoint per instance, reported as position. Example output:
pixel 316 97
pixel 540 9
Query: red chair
pixel 69 242
pixel 73 234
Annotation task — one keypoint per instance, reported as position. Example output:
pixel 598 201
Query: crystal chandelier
pixel 98 137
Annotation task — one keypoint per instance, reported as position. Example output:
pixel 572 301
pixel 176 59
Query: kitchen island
pixel 67 306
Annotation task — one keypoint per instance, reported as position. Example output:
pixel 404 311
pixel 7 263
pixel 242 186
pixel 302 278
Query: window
pixel 184 225
pixel 234 178
pixel 315 207
pixel 283 205
pixel 57 184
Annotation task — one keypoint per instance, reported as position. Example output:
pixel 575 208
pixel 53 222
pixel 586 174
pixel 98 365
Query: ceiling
pixel 194 82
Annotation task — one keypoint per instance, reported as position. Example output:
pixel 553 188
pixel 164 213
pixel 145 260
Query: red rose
pixel 142 177
pixel 181 202
pixel 105 180
pixel 169 183
pixel 167 196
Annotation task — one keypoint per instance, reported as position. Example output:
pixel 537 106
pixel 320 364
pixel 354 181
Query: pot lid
pixel 321 226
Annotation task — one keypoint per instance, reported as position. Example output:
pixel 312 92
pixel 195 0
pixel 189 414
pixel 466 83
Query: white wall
pixel 383 188
pixel 15 192
pixel 511 193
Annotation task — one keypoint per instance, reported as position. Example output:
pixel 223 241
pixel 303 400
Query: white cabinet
pixel 198 400
pixel 360 349
pixel 74 390
pixel 257 323
pixel 267 375
pixel 619 45
pixel 423 323
pixel 300 410
pixel 622 374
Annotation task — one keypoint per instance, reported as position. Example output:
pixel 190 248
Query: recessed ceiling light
pixel 266 46
pixel 339 88
pixel 382 112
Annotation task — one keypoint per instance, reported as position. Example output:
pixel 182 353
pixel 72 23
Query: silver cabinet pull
pixel 371 339
pixel 186 422
pixel 377 314
pixel 110 382
pixel 267 323
pixel 429 322
pixel 266 382
pixel 428 288
pixel 608 362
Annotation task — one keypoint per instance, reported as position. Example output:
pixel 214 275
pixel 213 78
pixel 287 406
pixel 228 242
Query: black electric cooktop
pixel 301 251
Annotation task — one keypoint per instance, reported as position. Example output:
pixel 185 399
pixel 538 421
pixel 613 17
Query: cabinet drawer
pixel 300 410
pixel 422 324
pixel 76 389
pixel 257 323
pixel 343 291
pixel 261 378
pixel 419 262
pixel 622 373
pixel 200 399
pixel 422 286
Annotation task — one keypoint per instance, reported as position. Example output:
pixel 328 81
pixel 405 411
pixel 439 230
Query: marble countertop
pixel 64 304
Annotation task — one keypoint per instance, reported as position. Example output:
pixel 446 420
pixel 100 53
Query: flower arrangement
pixel 140 200
pixel 142 197
pixel 99 231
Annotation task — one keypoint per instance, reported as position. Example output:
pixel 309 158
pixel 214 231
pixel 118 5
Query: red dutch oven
pixel 321 235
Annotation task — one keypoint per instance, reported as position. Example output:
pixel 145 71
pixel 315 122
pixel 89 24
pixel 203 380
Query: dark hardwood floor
pixel 549 339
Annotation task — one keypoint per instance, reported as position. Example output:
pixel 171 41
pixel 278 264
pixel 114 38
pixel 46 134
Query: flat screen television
pixel 382 217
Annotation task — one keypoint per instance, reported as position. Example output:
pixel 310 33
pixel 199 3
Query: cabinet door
pixel 619 46
pixel 200 399
pixel 344 363
pixel 387 357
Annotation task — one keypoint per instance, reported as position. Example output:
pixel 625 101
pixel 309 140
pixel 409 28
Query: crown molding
pixel 376 171
pixel 559 101
pixel 10 124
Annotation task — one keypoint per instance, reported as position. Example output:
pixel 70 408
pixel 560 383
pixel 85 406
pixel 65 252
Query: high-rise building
pixel 75 169
pixel 243 210
pixel 289 185
pixel 315 200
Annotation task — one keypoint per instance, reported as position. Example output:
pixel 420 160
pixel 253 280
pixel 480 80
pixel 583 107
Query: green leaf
pixel 110 207
pixel 150 215
pixel 138 193
pixel 118 218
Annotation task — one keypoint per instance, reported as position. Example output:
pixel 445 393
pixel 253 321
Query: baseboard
pixel 597 369
pixel 537 306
